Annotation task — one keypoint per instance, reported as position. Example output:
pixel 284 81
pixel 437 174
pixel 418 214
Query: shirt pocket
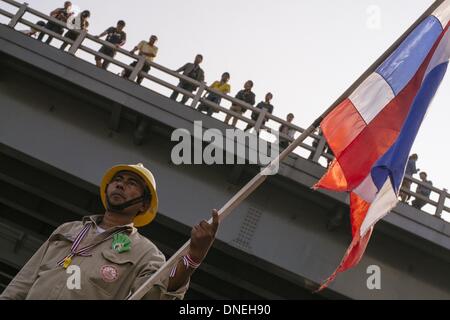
pixel 111 273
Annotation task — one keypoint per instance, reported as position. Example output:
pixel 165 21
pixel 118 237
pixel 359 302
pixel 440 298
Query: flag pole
pixel 257 180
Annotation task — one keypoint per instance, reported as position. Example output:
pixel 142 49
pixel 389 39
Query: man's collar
pixel 96 219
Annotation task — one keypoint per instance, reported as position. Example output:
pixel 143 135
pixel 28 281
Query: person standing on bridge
pixel 289 132
pixel 104 256
pixel 117 37
pixel 193 71
pixel 78 23
pixel 422 189
pixel 221 86
pixel 61 14
pixel 263 105
pixel 409 171
pixel 245 95
pixel 146 49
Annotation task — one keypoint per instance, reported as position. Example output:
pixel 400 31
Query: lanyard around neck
pixel 85 251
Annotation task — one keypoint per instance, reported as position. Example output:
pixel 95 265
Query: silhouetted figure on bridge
pixel 193 71
pixel 410 171
pixel 326 149
pixel 148 50
pixel 263 106
pixel 245 95
pixel 117 37
pixel 221 86
pixel 61 14
pixel 284 143
pixel 423 190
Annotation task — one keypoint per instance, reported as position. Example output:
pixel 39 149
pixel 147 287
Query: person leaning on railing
pixel 32 31
pixel 422 189
pixel 263 105
pixel 290 132
pixel 193 71
pixel 115 36
pixel 222 86
pixel 245 95
pixel 410 171
pixel 61 14
pixel 78 23
pixel 146 49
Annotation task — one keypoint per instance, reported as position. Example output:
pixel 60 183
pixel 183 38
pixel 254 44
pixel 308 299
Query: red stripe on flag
pixel 350 125
pixel 352 256
pixel 334 179
pixel 358 212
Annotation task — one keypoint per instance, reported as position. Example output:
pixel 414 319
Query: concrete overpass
pixel 63 122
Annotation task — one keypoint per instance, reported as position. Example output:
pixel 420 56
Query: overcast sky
pixel 305 52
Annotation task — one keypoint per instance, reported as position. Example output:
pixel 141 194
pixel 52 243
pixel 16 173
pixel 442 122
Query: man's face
pixel 423 176
pixel 290 118
pixel 198 59
pixel 153 40
pixel 225 78
pixel 126 186
pixel 269 97
pixel 68 8
pixel 248 85
pixel 120 26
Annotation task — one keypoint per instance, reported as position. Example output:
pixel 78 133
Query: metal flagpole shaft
pixel 245 191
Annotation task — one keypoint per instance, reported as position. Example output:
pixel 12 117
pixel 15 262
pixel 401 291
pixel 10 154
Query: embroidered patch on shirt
pixel 109 273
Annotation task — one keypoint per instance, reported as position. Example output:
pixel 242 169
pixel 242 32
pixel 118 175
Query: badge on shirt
pixel 109 273
pixel 121 243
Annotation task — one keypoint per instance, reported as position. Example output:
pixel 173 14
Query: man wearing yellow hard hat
pixel 104 256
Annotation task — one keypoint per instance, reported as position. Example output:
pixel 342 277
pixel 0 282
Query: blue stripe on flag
pixel 393 162
pixel 399 68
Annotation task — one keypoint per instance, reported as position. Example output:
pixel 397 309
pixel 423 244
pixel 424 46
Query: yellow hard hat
pixel 139 169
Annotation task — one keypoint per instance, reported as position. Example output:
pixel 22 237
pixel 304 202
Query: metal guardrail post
pixel 23 8
pixel 137 68
pixel 441 203
pixel 198 95
pixel 259 122
pixel 319 149
pixel 74 47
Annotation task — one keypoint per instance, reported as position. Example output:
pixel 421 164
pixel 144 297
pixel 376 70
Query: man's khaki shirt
pixel 107 274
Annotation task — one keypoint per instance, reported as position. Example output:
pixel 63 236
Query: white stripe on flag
pixel 385 200
pixel 372 96
pixel 367 190
pixel 443 13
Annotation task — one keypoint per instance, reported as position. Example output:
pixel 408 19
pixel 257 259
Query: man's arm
pixel 55 12
pixel 182 68
pixel 202 237
pixel 124 40
pixel 21 284
pixel 135 48
pixel 201 76
pixel 104 33
pixel 175 286
pixel 252 99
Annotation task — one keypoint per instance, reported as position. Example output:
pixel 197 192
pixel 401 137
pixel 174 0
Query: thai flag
pixel 372 131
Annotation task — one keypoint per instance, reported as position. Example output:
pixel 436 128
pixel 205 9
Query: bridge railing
pixel 314 148
pixel 197 97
